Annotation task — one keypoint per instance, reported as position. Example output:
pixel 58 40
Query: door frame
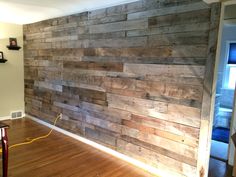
pixel 208 103
pixel 231 148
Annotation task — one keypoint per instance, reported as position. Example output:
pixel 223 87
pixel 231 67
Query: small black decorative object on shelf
pixel 2 59
pixel 13 44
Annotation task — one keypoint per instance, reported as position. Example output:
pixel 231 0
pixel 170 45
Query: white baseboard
pixel 137 163
pixel 5 118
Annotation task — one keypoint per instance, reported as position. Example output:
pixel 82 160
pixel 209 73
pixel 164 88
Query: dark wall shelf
pixel 13 47
pixel 3 60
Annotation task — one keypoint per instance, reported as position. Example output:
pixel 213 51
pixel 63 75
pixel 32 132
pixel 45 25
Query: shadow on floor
pixel 219 168
pixel 219 150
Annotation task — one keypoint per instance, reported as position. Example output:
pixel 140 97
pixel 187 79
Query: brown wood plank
pixel 161 110
pixel 180 18
pixel 165 70
pixel 118 67
pixel 168 10
pixel 164 134
pixel 164 162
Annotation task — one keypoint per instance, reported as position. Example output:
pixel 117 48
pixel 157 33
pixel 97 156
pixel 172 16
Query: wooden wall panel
pixel 130 77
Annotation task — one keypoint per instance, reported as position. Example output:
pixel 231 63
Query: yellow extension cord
pixel 35 139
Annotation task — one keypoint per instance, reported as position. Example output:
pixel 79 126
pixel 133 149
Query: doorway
pixel 224 98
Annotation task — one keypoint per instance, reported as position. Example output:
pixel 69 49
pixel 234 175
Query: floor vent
pixel 16 114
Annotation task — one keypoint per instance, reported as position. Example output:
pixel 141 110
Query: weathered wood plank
pixel 73 115
pixel 164 163
pixel 77 52
pixel 160 150
pixel 43 63
pixel 70 44
pixel 49 75
pixel 69 83
pixel 179 51
pixel 130 77
pixel 177 80
pixel 118 67
pixel 30 53
pixel 164 134
pixel 118 43
pixel 107 19
pixel 65 32
pixel 100 136
pixel 103 123
pixel 191 17
pixel 60 27
pixel 158 97
pixel 113 35
pixel 189 51
pixel 66 98
pixel 146 60
pixel 77 17
pixel 160 110
pixel 30 73
pixel 187 38
pixel 132 52
pixel 105 112
pixel 98 73
pixel 106 116
pixel 66 106
pixel 118 26
pixel 40 35
pixel 175 128
pixel 170 29
pixel 39 45
pixel 168 10
pixel 170 145
pixel 165 70
pixel 171 90
pixel 48 85
pixel 74 126
pixel 153 89
pixel 63 38
pixel 136 105
pixel 91 96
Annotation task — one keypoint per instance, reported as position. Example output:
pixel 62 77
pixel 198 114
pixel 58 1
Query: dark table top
pixel 2 125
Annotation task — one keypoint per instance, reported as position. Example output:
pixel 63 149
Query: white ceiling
pixel 29 11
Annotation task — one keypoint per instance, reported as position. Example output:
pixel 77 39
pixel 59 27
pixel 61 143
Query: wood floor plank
pixel 60 156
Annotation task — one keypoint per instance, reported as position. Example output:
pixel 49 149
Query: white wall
pixel 11 72
pixel 229 34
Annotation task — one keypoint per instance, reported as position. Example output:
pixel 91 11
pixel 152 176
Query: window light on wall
pixel 231 66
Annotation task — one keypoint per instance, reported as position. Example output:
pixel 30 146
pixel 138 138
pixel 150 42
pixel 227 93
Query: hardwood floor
pixel 60 156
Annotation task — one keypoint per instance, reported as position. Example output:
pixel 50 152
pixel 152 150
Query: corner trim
pixel 137 163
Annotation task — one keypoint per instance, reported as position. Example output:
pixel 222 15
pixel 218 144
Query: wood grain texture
pixel 209 92
pixel 47 157
pixel 131 77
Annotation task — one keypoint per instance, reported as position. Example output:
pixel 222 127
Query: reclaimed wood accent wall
pixel 130 77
